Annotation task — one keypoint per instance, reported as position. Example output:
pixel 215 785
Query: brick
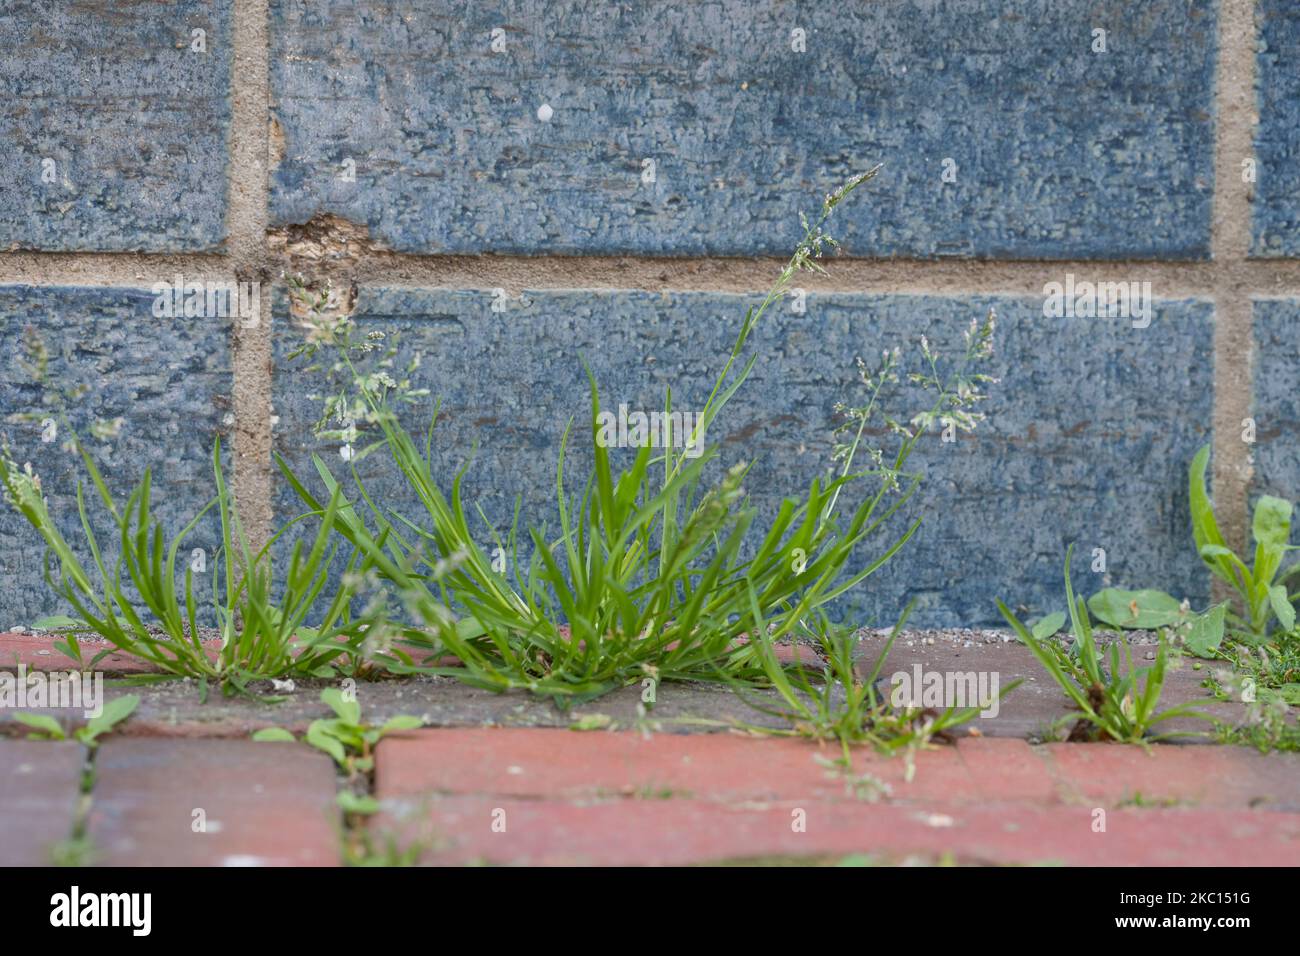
pixel 135 122
pixel 38 653
pixel 1090 431
pixel 744 132
pixel 1276 404
pixel 169 380
pixel 40 786
pixel 571 764
pixel 1003 770
pixel 1276 192
pixel 679 832
pixel 265 804
pixel 1229 777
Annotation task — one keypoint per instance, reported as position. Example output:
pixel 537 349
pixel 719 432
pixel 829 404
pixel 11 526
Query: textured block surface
pixel 115 129
pixel 1276 406
pixel 420 121
pixel 40 783
pixel 169 382
pixel 1090 430
pixel 1277 138
pixel 213 803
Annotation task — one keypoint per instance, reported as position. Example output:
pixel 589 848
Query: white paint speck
pixel 544 112
pixel 936 820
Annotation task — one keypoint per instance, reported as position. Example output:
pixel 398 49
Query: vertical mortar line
pixel 1236 114
pixel 247 221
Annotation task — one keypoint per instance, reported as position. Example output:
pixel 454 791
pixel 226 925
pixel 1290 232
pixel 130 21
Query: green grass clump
pixel 140 605
pixel 656 570
pixel 1115 700
pixel 841 703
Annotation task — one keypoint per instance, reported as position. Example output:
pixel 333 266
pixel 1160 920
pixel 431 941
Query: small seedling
pixel 76 851
pixel 344 737
pixel 46 727
pixel 364 848
pixel 842 704
pixel 1115 703
pixel 1267 728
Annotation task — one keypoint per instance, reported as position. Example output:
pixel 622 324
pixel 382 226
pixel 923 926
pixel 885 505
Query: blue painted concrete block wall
pixel 671 131
pixel 114 120
pixel 1276 407
pixel 541 145
pixel 1277 144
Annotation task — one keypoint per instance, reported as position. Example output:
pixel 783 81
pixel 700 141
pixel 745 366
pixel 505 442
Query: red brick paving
pixel 40 786
pixel 622 798
pixel 602 798
pixel 618 798
pixel 1203 776
pixel 37 652
pixel 265 804
pixel 564 763
pixel 678 832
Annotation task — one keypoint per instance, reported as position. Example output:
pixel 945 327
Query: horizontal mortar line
pixel 131 269
pixel 1169 280
pixel 988 277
